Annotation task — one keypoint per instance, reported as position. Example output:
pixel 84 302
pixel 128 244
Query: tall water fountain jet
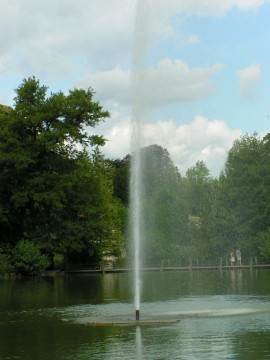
pixel 140 42
pixel 135 187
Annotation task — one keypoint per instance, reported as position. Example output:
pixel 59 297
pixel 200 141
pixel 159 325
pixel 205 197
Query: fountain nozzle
pixel 137 314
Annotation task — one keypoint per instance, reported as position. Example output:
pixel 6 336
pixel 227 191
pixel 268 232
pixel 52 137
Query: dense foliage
pixel 246 182
pixel 164 217
pixel 61 202
pixel 205 218
pixel 28 259
pixel 53 190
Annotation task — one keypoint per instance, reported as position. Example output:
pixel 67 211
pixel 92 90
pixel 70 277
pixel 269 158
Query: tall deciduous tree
pixel 163 211
pixel 247 183
pixel 52 191
pixel 121 178
pixel 200 194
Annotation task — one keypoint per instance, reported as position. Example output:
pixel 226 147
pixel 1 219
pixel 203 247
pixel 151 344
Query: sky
pixel 204 67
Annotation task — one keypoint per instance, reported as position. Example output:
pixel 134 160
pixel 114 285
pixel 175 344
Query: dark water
pixel 222 315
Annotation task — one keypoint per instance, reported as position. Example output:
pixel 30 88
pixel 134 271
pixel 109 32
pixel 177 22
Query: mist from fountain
pixel 139 51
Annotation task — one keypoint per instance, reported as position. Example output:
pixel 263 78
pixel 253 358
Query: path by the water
pixel 172 268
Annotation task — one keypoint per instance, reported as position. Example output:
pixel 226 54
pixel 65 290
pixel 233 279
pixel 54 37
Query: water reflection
pixel 222 315
pixel 138 343
pixel 236 280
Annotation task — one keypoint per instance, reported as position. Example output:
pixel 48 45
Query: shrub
pixel 28 260
pixel 121 261
pixel 265 244
pixel 58 261
pixel 5 263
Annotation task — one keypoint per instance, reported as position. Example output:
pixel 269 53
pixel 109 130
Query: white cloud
pixel 64 41
pixel 171 81
pixel 249 4
pixel 248 80
pixel 99 31
pixel 5 62
pixel 201 139
pixel 204 8
pixel 111 85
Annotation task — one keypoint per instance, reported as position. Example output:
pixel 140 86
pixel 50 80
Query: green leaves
pixel 27 258
pixel 246 184
pixel 5 263
pixel 52 191
pixel 265 244
pixel 57 190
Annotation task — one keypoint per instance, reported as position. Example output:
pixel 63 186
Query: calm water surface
pixel 222 315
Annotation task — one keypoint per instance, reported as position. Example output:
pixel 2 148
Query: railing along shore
pixel 190 267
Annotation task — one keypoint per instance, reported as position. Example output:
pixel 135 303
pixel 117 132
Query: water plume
pixel 139 52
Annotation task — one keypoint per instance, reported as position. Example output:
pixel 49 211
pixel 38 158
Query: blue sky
pixel 206 74
pixel 237 40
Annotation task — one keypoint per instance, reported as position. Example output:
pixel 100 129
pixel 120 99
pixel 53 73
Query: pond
pixel 219 315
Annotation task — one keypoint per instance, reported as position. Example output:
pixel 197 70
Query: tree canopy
pixel 247 186
pixel 59 196
pixel 54 190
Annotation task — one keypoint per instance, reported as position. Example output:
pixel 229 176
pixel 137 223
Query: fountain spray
pixel 140 44
pixel 136 202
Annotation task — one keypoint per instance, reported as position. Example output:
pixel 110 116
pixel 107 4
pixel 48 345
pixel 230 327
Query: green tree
pixel 27 258
pixel 163 212
pixel 197 180
pixel 52 191
pixel 200 199
pixel 121 178
pixel 5 263
pixel 246 187
pixel 265 244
